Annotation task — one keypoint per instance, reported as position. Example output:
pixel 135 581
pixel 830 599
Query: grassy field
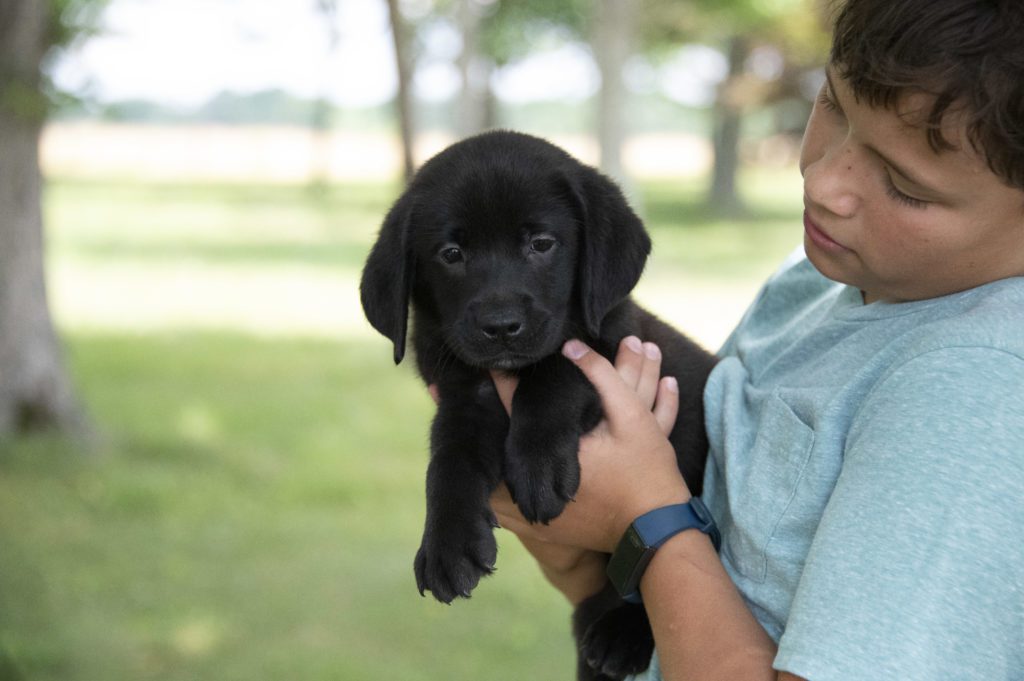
pixel 254 504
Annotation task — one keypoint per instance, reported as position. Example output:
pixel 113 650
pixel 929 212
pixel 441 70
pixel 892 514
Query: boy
pixel 866 466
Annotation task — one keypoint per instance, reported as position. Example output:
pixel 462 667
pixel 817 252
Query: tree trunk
pixel 35 392
pixel 403 63
pixel 475 102
pixel 320 120
pixel 613 44
pixel 728 117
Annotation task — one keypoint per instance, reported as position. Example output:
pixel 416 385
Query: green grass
pixel 691 240
pixel 253 506
pixel 222 224
pixel 253 515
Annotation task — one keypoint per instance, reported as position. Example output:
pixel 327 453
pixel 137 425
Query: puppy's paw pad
pixel 620 643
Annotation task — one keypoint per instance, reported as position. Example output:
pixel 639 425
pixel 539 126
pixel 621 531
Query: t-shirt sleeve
pixel 917 568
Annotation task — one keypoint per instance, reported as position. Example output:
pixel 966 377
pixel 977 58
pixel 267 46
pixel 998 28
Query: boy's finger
pixel 617 398
pixel 666 408
pixel 629 360
pixel 506 386
pixel 650 373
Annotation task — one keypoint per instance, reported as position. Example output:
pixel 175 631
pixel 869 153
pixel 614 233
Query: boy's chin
pixel 827 264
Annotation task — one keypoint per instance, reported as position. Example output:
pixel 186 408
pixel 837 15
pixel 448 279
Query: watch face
pixel 647 533
pixel 626 564
pixel 635 541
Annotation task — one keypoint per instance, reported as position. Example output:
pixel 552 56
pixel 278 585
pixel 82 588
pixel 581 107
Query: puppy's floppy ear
pixel 388 275
pixel 613 245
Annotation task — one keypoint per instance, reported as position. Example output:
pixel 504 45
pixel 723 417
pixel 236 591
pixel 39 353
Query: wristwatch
pixel 647 533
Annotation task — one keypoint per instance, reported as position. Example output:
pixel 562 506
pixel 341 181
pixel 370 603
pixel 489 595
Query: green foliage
pixel 26 91
pixel 793 26
pixel 74 20
pixel 512 28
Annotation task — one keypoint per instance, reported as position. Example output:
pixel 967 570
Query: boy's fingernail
pixel 574 349
pixel 652 351
pixel 634 344
pixel 672 384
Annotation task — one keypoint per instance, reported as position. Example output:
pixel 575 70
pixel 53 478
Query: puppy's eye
pixel 451 255
pixel 542 244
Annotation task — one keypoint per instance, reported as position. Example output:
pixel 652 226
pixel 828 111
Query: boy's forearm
pixel 577 574
pixel 580 582
pixel 702 627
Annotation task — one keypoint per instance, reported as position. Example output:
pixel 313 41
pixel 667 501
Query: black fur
pixel 506 247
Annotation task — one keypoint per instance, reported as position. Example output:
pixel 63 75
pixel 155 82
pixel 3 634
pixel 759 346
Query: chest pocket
pixel 767 487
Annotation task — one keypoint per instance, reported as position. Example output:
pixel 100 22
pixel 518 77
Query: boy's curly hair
pixel 968 54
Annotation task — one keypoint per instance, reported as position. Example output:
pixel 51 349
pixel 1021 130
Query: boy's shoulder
pixel 989 316
pixel 798 297
pixel 1000 304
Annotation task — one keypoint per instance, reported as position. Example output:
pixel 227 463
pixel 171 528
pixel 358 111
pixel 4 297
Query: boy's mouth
pixel 820 239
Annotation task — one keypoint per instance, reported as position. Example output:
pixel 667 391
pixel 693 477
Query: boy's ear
pixel 388 275
pixel 613 245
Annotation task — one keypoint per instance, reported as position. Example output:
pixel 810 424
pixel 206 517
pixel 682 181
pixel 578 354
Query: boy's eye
pixel 895 194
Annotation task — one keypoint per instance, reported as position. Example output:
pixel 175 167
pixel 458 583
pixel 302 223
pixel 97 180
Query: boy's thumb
pixel 575 349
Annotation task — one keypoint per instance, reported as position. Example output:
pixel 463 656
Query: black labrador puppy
pixel 506 247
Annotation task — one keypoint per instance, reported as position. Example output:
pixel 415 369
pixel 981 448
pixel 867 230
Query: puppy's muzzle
pixel 503 332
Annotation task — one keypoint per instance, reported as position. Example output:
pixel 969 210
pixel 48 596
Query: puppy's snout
pixel 500 325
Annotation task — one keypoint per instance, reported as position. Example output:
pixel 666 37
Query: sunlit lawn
pixel 253 506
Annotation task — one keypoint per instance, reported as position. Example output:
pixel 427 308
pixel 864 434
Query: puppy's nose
pixel 501 327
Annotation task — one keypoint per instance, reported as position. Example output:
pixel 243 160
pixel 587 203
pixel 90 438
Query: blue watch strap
pixel 647 533
pixel 658 526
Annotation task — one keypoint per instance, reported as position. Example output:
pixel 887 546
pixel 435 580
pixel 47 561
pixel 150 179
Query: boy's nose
pixel 832 182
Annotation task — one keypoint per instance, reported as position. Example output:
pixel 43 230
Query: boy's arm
pixel 577 576
pixel 702 627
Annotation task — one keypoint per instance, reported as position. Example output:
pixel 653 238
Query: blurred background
pixel 209 466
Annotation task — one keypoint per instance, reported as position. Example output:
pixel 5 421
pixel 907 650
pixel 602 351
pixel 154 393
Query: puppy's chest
pixel 439 366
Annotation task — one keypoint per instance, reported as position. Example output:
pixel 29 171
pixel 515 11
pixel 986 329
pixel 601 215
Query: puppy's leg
pixel 614 637
pixel 458 546
pixel 553 406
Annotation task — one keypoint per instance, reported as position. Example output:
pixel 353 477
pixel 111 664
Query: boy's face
pixel 887 214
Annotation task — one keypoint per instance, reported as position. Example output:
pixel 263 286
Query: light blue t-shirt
pixel 866 469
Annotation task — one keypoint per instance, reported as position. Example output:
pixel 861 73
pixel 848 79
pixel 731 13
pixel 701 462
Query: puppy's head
pixel 507 246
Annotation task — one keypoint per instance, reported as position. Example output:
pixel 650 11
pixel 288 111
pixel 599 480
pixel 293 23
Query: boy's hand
pixel 628 467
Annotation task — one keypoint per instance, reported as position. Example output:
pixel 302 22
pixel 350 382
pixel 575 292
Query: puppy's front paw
pixel 619 643
pixel 451 560
pixel 542 471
